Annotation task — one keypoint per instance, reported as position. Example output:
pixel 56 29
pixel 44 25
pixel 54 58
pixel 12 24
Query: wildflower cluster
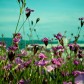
pixel 61 64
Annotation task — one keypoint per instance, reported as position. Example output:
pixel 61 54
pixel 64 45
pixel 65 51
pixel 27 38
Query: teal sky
pixel 55 16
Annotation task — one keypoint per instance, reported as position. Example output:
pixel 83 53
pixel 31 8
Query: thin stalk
pixel 18 22
pixel 37 35
pixel 22 25
pixel 32 31
pixel 24 30
pixel 34 26
pixel 29 22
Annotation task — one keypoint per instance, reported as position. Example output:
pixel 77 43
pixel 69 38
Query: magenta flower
pixel 26 64
pixel 67 82
pixel 41 63
pixel 45 40
pixel 49 68
pixel 16 40
pixel 20 66
pixel 82 22
pixel 80 55
pixel 21 81
pixel 2 58
pixel 28 12
pixel 75 73
pixel 61 60
pixel 58 36
pixel 65 73
pixel 12 48
pixel 81 18
pixel 17 35
pixel 8 67
pixel 2 44
pixel 58 50
pixel 42 56
pixel 55 61
pixel 54 48
pixel 23 52
pixel 76 62
pixel 71 46
pixel 74 47
pixel 18 60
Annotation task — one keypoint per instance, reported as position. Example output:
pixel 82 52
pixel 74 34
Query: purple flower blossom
pixel 16 40
pixel 76 62
pixel 81 18
pixel 12 48
pixel 26 64
pixel 17 35
pixel 58 36
pixel 28 12
pixel 71 46
pixel 45 40
pixel 60 60
pixel 23 52
pixel 60 48
pixel 82 22
pixel 20 66
pixel 21 81
pixel 41 63
pixel 18 60
pixel 75 73
pixel 2 58
pixel 42 56
pixel 55 61
pixel 67 82
pixel 80 55
pixel 2 44
pixel 74 47
pixel 8 67
pixel 65 73
pixel 49 68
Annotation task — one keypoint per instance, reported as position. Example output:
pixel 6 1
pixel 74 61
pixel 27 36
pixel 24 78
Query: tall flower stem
pixel 18 22
pixel 32 31
pixel 22 25
pixel 37 36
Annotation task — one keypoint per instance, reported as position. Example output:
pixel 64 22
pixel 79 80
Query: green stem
pixel 37 36
pixel 18 22
pixel 34 26
pixel 29 22
pixel 22 25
